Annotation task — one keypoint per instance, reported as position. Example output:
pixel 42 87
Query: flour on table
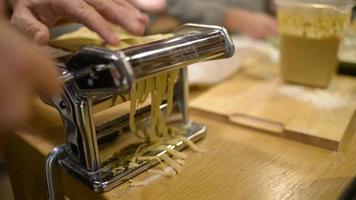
pixel 320 98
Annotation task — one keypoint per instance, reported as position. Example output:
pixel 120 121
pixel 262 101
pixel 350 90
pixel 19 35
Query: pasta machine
pixel 94 76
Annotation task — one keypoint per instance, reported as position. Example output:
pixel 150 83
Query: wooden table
pixel 240 163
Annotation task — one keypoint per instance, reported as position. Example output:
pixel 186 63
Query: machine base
pixel 104 179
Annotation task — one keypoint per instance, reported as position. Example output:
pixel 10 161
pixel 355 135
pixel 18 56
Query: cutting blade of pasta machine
pixel 94 76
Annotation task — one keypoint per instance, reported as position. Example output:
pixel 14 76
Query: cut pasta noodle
pixel 172 78
pixel 158 136
pixel 159 88
pixel 174 152
pixel 191 144
pixel 180 161
pixel 172 163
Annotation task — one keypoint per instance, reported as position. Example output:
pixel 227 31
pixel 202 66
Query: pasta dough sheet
pixel 75 40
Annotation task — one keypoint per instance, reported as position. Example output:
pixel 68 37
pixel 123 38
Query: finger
pixel 271 31
pixel 22 74
pixel 15 105
pixel 123 13
pixel 272 26
pixel 1 10
pixel 45 73
pixel 142 17
pixel 24 20
pixel 81 12
pixel 12 97
pixel 37 70
pixel 150 6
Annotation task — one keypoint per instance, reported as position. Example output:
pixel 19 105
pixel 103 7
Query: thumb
pixel 1 10
pixel 27 23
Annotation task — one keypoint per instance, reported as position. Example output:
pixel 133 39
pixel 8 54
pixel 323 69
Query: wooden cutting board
pixel 315 116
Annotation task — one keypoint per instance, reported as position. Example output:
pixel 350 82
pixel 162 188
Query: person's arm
pixel 197 11
pixel 33 17
pixel 256 24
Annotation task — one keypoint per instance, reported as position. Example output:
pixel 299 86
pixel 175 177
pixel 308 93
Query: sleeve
pixel 198 11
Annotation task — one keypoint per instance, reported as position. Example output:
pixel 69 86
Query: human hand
pixel 33 17
pixel 156 6
pixel 24 73
pixel 257 25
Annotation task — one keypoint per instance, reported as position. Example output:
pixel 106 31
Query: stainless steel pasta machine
pixel 95 76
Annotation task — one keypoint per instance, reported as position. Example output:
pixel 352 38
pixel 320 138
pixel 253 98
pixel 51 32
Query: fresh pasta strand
pixel 162 127
pixel 192 145
pixel 140 91
pixel 172 163
pixel 149 158
pixel 133 105
pixel 158 88
pixel 180 161
pixel 148 85
pixel 174 152
pixel 173 76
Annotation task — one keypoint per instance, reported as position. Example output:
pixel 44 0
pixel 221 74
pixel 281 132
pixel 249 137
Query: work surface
pixel 311 115
pixel 240 163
